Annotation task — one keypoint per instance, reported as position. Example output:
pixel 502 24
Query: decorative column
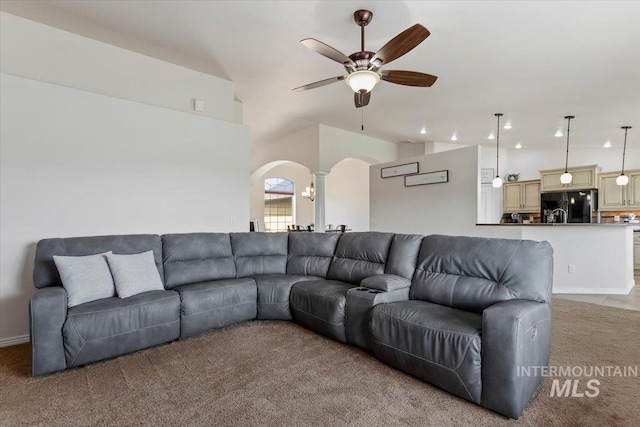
pixel 318 221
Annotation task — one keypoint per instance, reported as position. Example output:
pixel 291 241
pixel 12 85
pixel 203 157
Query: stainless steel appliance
pixel 568 206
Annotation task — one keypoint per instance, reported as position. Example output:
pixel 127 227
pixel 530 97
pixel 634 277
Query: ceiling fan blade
pixel 361 99
pixel 401 44
pixel 408 78
pixel 319 83
pixel 326 50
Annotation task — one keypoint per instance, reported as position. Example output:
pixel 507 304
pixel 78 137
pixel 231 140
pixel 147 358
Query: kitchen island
pixel 588 258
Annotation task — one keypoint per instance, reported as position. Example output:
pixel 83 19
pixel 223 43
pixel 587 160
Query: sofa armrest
pixel 47 314
pixel 360 301
pixel 386 282
pixel 516 334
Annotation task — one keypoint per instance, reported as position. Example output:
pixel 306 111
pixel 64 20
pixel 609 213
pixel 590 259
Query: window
pixel 278 204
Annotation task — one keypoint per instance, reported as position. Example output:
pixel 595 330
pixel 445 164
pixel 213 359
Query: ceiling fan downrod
pixel 362 18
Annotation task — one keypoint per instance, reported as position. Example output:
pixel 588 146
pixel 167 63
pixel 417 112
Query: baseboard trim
pixel 595 291
pixel 6 342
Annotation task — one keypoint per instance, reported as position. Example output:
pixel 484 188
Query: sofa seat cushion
pixel 273 294
pixel 215 304
pixel 320 305
pixel 438 344
pixel 113 326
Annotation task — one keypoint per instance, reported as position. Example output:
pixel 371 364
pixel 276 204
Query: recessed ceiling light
pixel 558 134
pixel 423 131
pixel 491 136
pixel 607 144
pixel 454 137
pixel 518 146
pixel 508 125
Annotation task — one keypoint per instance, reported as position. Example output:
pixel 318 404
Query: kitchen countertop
pixel 538 224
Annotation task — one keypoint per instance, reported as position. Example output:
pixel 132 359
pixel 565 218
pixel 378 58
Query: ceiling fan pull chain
pixel 362 120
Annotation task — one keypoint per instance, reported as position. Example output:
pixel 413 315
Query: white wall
pixel 98 140
pixel 36 51
pixel 337 145
pixel 347 195
pixel 446 208
pixel 301 147
pixel 408 149
pixel 301 178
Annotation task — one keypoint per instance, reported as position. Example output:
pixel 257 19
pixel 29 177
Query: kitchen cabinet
pixel 523 196
pixel 584 178
pixel 636 249
pixel 614 197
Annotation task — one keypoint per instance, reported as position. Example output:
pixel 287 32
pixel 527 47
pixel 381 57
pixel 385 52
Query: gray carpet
pixel 278 373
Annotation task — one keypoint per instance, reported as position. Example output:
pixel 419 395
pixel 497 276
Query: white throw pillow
pixel 85 278
pixel 135 274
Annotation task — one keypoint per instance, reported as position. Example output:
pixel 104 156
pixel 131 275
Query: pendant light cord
pixel 498 145
pixel 566 159
pixel 624 149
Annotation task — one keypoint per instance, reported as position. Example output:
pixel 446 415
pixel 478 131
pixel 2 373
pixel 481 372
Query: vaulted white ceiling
pixel 533 61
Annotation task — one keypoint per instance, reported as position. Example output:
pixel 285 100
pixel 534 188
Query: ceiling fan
pixel 363 68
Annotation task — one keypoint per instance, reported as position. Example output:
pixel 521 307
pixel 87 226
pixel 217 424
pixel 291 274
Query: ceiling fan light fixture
pixel 363 80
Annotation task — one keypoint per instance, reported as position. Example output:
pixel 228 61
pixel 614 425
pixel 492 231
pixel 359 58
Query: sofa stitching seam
pixel 316 317
pixel 84 342
pixel 185 261
pixel 217 308
pixel 429 328
pixel 119 308
pixel 426 360
pixel 313 293
pixel 188 291
pixel 136 330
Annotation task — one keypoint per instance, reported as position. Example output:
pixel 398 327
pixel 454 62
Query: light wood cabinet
pixel 521 196
pixel 584 178
pixel 614 197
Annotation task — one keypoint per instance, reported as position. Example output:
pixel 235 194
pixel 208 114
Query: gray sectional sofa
pixel 460 313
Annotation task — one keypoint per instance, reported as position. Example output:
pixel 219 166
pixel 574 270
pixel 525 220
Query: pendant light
pixel 623 179
pixel 566 177
pixel 497 181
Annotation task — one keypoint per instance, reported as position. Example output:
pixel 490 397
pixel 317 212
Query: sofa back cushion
pixel 259 253
pixel 472 273
pixel 45 273
pixel 197 257
pixel 403 255
pixel 310 253
pixel 360 255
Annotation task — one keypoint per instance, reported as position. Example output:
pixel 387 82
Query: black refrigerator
pixel 578 206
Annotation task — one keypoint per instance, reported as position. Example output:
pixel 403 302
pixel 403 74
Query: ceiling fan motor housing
pixel 362 17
